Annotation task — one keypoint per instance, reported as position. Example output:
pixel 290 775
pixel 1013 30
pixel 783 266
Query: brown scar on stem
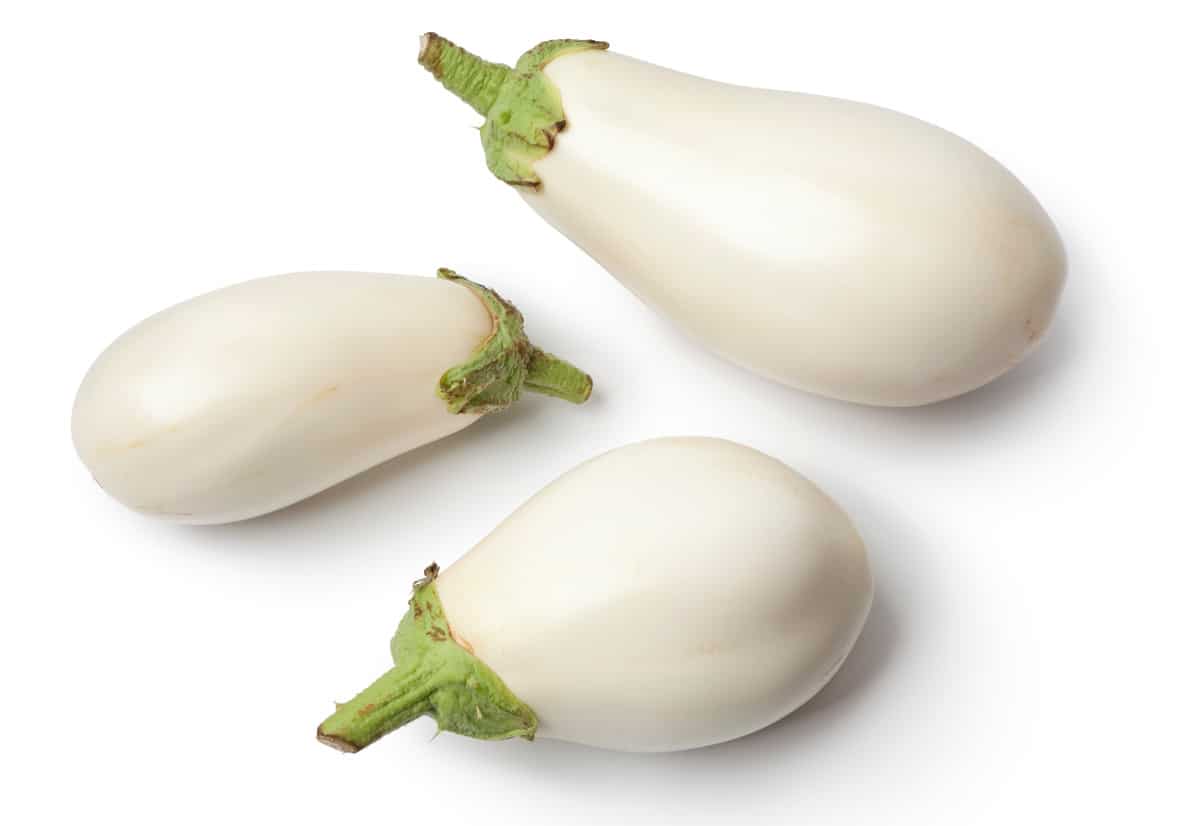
pixel 337 742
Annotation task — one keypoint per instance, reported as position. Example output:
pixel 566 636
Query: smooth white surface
pixel 834 246
pixel 1030 656
pixel 244 400
pixel 708 591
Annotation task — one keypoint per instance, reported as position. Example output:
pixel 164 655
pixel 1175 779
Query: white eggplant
pixel 667 595
pixel 253 397
pixel 833 246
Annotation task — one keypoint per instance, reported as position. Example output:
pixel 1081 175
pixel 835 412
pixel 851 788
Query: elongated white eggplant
pixel 833 246
pixel 253 397
pixel 667 595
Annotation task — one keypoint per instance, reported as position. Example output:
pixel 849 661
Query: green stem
pixel 523 109
pixel 434 675
pixel 475 81
pixel 551 376
pixel 396 698
pixel 506 363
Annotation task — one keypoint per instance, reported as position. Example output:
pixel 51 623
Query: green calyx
pixel 434 675
pixel 505 363
pixel 523 108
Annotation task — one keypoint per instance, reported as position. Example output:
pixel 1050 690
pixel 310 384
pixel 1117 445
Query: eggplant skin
pixel 666 595
pixel 247 399
pixel 833 246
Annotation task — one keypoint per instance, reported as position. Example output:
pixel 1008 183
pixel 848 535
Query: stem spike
pixel 506 363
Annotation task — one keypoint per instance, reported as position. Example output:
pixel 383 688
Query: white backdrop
pixel 1032 650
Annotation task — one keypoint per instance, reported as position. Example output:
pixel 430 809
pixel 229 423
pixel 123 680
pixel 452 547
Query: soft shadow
pixel 1034 383
pixel 1024 385
pixel 876 646
pixel 494 426
pixel 389 493
pixel 388 485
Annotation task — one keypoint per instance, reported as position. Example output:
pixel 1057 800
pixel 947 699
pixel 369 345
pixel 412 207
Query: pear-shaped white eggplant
pixel 833 246
pixel 250 398
pixel 667 595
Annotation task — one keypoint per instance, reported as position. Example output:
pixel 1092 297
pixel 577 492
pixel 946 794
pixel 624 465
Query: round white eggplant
pixel 256 396
pixel 667 595
pixel 833 246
